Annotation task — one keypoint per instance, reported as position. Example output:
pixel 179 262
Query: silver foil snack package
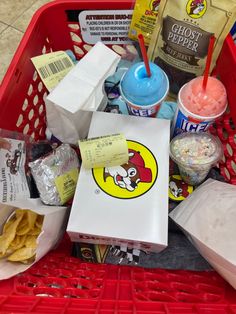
pixel 56 175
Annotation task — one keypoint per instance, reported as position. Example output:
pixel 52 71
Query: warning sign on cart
pixel 108 26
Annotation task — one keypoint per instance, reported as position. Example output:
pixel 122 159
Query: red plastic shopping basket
pixel 59 283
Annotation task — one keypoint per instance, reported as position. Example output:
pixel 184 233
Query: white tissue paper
pixel 69 106
pixel 208 217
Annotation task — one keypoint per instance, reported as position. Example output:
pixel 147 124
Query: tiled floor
pixel 15 16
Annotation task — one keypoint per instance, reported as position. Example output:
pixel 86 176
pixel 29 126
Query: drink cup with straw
pixel 144 86
pixel 200 101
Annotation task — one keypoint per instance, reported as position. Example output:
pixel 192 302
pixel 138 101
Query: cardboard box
pixel 106 210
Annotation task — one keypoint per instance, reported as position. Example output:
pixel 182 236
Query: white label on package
pixel 52 67
pixel 104 151
pixel 13 183
pixel 108 26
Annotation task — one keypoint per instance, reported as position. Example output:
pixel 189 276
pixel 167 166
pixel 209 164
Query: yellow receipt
pixel 104 151
pixel 52 67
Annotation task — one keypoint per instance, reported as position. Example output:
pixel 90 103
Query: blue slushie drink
pixel 142 94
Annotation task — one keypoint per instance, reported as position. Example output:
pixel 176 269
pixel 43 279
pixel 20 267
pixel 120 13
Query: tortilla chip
pixel 8 236
pixel 21 254
pixel 31 241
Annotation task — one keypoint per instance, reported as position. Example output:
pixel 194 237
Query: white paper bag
pixel 208 217
pixel 53 228
pixel 69 106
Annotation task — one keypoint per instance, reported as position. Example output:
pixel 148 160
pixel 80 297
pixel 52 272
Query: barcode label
pixel 54 68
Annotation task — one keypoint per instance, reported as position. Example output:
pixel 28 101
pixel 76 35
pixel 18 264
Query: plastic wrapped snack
pixel 56 175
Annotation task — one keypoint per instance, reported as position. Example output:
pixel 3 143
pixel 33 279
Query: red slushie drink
pixel 198 108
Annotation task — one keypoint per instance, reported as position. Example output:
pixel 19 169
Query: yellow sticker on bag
pixel 66 185
pixel 52 67
pixel 104 151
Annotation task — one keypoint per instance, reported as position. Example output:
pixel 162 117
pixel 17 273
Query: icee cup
pixel 195 154
pixel 142 94
pixel 197 109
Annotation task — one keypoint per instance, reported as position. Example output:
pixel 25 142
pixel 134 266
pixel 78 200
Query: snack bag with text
pixel 15 178
pixel 143 19
pixel 180 41
pixel 56 175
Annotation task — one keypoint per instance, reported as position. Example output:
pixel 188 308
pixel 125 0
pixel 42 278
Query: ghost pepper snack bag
pixel 181 37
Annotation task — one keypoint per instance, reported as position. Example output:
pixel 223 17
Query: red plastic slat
pixel 77 287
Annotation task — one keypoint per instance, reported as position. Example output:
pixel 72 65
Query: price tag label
pixel 104 151
pixel 52 67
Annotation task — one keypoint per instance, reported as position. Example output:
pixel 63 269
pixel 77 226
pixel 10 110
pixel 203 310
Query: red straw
pixel 144 54
pixel 208 62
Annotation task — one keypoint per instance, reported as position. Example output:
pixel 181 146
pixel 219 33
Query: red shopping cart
pixel 62 284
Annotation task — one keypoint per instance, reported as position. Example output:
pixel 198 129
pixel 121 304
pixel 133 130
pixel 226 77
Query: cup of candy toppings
pixel 195 154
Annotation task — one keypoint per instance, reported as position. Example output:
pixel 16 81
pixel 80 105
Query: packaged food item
pixel 142 94
pixel 143 19
pixel 15 178
pixel 28 230
pixel 56 175
pixel 180 40
pixel 70 104
pixel 118 205
pixel 207 217
pixel 198 108
pixel 195 154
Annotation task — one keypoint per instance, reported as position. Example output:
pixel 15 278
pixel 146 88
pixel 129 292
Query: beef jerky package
pixel 181 37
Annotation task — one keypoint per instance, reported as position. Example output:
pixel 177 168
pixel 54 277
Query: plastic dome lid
pixel 142 90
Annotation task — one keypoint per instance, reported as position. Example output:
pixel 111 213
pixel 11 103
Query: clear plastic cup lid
pixel 196 149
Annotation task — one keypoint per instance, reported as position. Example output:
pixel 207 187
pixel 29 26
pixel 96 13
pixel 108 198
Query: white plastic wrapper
pixel 56 175
pixel 208 217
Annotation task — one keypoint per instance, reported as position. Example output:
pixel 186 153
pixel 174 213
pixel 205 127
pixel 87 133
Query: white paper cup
pixel 186 121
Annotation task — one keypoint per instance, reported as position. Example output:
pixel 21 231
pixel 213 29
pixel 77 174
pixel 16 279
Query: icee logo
pixel 149 112
pixel 188 126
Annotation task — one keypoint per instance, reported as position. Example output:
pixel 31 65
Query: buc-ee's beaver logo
pixel 132 179
pixel 154 5
pixel 178 189
pixel 196 8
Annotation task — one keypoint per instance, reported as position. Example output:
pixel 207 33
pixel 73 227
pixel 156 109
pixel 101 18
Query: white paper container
pixel 53 228
pixel 103 212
